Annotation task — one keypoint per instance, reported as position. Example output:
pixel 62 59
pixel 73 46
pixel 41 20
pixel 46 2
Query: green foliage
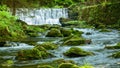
pixel 102 14
pixel 8 63
pixel 3 8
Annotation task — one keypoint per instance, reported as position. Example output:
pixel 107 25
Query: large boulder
pixel 74 40
pixel 77 52
pixel 54 33
pixel 33 53
pixel 66 32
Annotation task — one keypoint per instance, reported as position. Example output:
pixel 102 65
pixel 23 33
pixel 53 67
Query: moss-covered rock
pixel 8 63
pixel 34 53
pixel 54 33
pixel 117 46
pixel 116 55
pixel 66 32
pixel 63 20
pixel 47 46
pixel 59 61
pixel 105 30
pixel 67 65
pixel 76 23
pixel 45 66
pixel 86 66
pixel 77 52
pixel 74 40
pixel 77 32
pixel 33 31
pixel 33 34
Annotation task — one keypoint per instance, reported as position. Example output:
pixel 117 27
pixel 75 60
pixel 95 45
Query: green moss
pixel 76 52
pixel 86 66
pixel 105 13
pixel 66 32
pixel 74 40
pixel 34 53
pixel 33 31
pixel 8 63
pixel 54 33
pixel 76 23
pixel 59 61
pixel 47 46
pixel 113 47
pixel 33 34
pixel 10 29
pixel 67 65
pixel 105 30
pixel 116 55
pixel 77 32
pixel 45 66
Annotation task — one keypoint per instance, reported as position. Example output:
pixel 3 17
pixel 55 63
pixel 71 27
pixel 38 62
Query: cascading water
pixel 42 16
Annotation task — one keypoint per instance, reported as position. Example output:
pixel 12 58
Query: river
pixel 99 41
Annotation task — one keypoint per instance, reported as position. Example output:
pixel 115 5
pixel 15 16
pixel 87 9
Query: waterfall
pixel 42 16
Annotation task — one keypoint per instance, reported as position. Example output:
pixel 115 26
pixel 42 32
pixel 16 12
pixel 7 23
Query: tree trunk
pixel 13 7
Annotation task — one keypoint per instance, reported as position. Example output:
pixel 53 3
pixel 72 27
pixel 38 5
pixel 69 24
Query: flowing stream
pixel 99 41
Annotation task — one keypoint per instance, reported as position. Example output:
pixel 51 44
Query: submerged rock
pixel 116 55
pixel 48 46
pixel 77 52
pixel 77 32
pixel 117 46
pixel 105 30
pixel 59 61
pixel 67 65
pixel 88 33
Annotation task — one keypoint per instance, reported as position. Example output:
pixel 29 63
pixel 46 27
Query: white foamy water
pixel 42 16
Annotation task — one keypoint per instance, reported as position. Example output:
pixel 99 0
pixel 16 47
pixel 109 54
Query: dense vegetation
pixel 11 28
